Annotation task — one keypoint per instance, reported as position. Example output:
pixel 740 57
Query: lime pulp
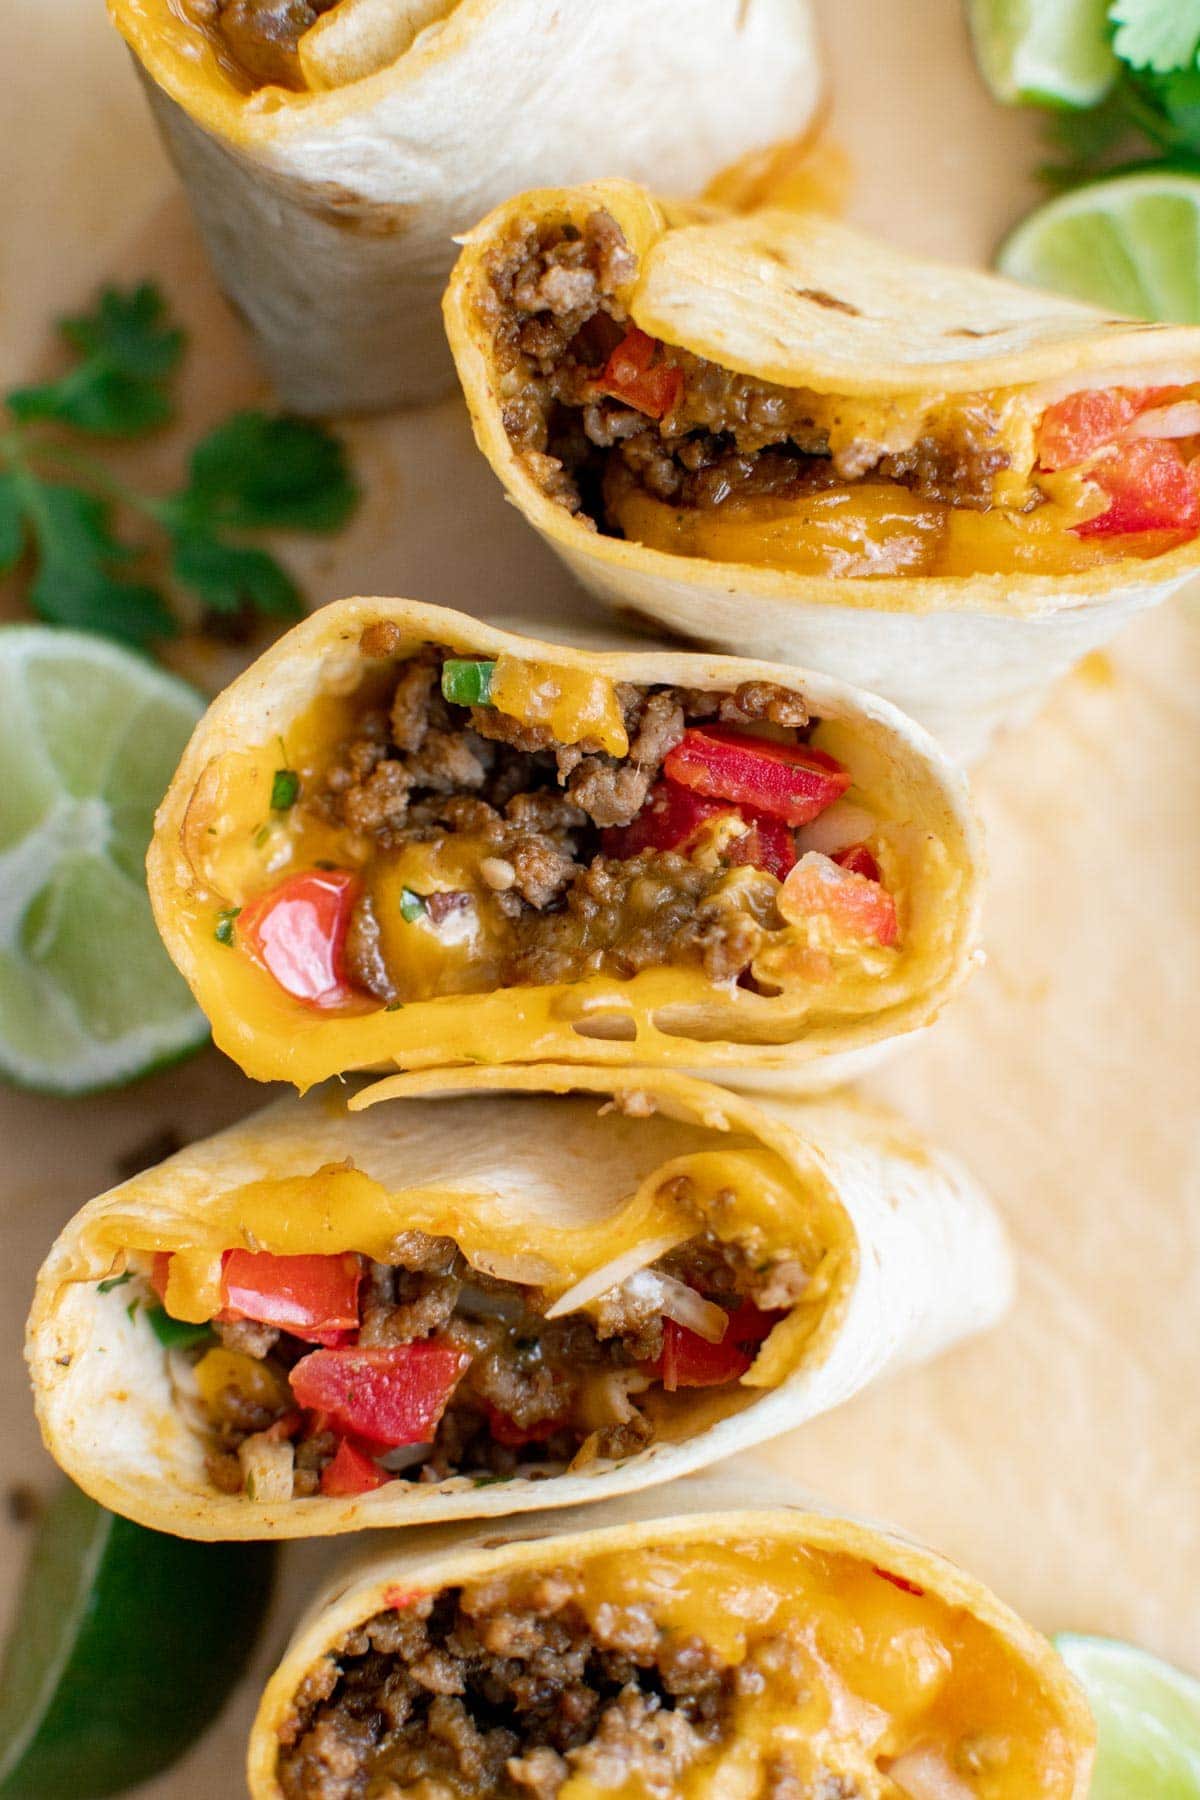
pixel 90 735
pixel 1147 1717
pixel 1130 245
pixel 1043 52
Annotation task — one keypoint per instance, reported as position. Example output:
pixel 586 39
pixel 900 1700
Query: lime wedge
pixel 124 1648
pixel 89 737
pixel 1130 245
pixel 1147 1718
pixel 1044 52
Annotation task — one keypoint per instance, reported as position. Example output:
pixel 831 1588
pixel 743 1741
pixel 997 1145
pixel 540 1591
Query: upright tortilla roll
pixel 854 1249
pixel 813 447
pixel 354 872
pixel 684 1644
pixel 331 159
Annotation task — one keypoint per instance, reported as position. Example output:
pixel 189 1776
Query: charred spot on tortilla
pixel 830 302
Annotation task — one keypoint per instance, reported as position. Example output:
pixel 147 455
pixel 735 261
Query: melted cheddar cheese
pixel 854 1681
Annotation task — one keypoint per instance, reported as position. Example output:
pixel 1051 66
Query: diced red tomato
pixel 859 861
pixel 310 1296
pixel 381 1394
pixel 297 931
pixel 673 817
pixel 857 905
pixel 352 1471
pixel 399 1597
pixel 688 1360
pixel 900 1581
pixel 160 1273
pixel 631 374
pixel 1078 426
pixel 767 845
pixel 1150 486
pixel 506 1431
pixel 792 782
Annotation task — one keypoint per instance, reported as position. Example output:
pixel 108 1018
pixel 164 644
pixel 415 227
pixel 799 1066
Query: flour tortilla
pixel 803 300
pixel 330 214
pixel 925 1262
pixel 708 1509
pixel 796 1041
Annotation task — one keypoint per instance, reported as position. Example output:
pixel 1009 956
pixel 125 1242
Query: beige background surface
pixel 1059 1457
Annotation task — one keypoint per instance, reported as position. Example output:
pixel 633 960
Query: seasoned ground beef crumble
pixel 505 1689
pixel 554 311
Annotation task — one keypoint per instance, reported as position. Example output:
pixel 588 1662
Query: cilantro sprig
pixel 64 510
pixel 1152 111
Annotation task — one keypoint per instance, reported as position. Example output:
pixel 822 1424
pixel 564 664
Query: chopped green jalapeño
pixel 411 905
pixel 467 683
pixel 284 789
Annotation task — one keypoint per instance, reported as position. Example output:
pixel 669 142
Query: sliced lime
pixel 125 1646
pixel 1044 52
pixel 89 738
pixel 1147 1718
pixel 1130 245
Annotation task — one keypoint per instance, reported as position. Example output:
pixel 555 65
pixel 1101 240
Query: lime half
pixel 89 737
pixel 1147 1716
pixel 125 1646
pixel 1129 245
pixel 1044 52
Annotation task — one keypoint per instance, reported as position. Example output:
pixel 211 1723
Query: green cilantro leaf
pixel 1176 99
pixel 227 577
pixel 256 471
pixel 223 930
pixel 12 523
pixel 118 387
pixel 1156 34
pixel 77 581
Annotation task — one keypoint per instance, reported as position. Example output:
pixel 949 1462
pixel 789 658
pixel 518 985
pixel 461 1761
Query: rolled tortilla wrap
pixel 553 925
pixel 330 176
pixel 729 1650
pixel 865 1248
pixel 812 447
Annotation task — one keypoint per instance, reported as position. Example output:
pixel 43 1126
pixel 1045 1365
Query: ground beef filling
pixel 421 769
pixel 555 317
pixel 262 36
pixel 506 1689
pixel 537 1391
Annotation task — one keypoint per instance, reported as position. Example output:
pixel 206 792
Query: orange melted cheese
pixel 870 529
pixel 852 1676
pixel 452 1010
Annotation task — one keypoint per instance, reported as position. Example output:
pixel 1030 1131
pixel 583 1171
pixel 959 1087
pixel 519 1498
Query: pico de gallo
pixel 336 1374
pixel 486 823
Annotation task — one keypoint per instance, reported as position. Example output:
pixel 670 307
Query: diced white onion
pixel 267 1464
pixel 396 1461
pixel 612 1274
pixel 1179 420
pixel 839 826
pixel 676 1300
pixel 926 1775
pixel 526 1271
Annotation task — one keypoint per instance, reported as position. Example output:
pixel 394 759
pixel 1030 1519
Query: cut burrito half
pixel 463 1294
pixel 404 837
pixel 332 148
pixel 714 1652
pixel 771 433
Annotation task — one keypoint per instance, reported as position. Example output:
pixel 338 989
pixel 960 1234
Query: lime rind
pixel 1044 52
pixel 89 737
pixel 1130 245
pixel 1147 1718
